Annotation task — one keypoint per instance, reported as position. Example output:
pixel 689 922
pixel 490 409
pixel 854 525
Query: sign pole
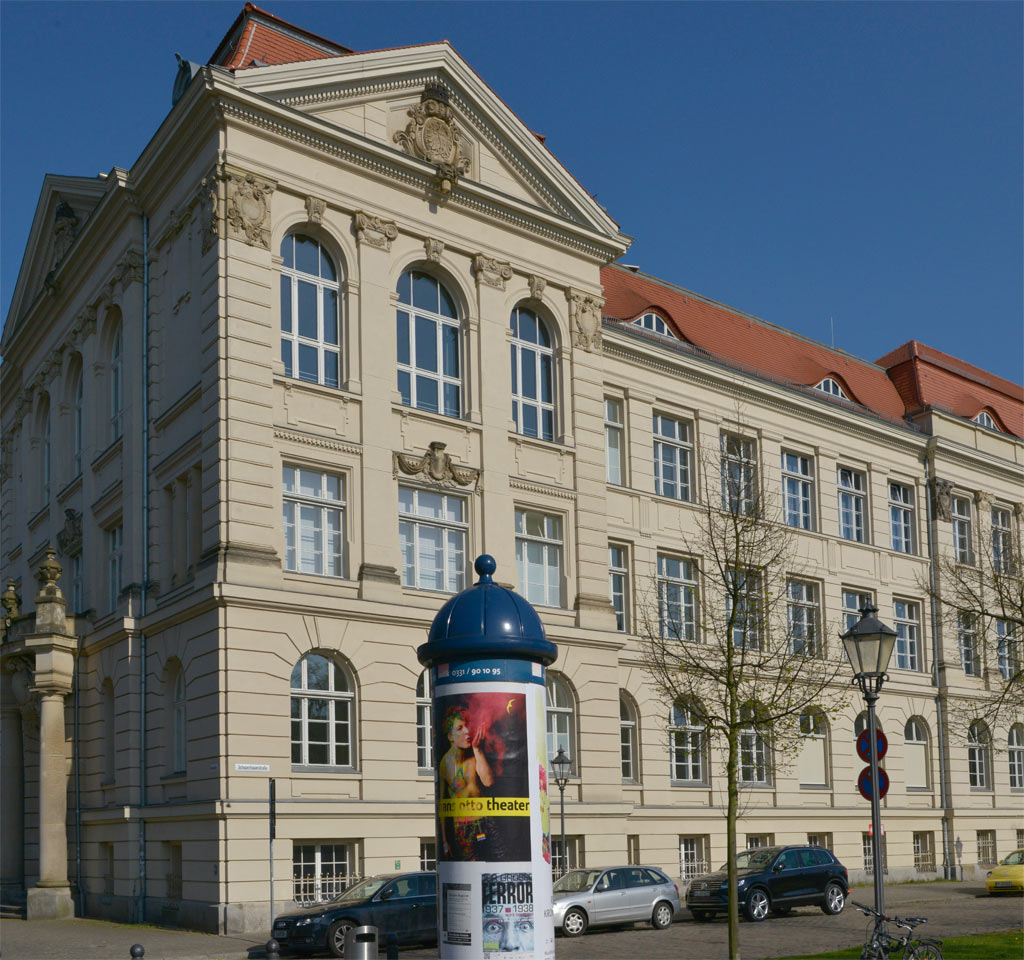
pixel 876 833
pixel 272 808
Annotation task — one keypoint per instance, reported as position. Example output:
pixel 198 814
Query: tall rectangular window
pixel 694 853
pixel 908 634
pixel 756 840
pixel 743 608
pixel 853 602
pixel 798 490
pixel 618 584
pixel 961 508
pixel 115 547
pixel 432 532
pixel 802 614
pixel 677 598
pixel 614 439
pixel 428 854
pixel 314 521
pixel 633 849
pixel 739 473
pixel 539 557
pixel 852 499
pixel 924 852
pixel 820 840
pixel 1002 541
pixel 967 634
pixel 320 871
pixel 1007 648
pixel 901 517
pixel 568 857
pixel 987 846
pixel 673 457
pixel 869 858
pixel 424 727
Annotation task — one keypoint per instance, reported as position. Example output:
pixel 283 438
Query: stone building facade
pixel 257 419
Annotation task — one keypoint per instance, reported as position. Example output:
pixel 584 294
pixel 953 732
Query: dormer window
pixel 832 388
pixel 654 323
pixel 985 419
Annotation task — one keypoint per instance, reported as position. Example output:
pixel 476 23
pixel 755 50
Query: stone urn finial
pixel 10 600
pixel 49 570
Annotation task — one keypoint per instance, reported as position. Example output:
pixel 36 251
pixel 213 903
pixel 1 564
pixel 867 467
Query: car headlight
pixel 989 874
pixel 741 881
pixel 303 921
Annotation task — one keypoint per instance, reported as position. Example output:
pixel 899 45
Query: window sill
pixel 302 575
pixel 108 454
pixel 981 790
pixel 815 786
pixel 432 415
pixel 72 487
pixel 349 773
pixel 743 785
pixel 322 388
pixel 178 776
pixel 108 784
pixel 527 438
pixel 688 784
pixel 911 789
pixel 424 771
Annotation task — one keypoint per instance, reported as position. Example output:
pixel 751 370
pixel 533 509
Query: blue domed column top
pixel 487 620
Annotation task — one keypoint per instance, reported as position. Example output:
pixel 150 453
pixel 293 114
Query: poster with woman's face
pixel 483 784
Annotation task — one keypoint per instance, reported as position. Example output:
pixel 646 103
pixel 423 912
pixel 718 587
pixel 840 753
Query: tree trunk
pixel 730 840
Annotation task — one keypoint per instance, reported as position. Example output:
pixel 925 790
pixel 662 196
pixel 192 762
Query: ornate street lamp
pixel 561 764
pixel 869 644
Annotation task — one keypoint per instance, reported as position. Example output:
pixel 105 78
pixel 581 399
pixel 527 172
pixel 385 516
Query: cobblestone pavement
pixel 953 909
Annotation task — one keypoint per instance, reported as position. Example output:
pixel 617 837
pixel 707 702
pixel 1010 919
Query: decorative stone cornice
pixel 437 466
pixel 942 498
pixel 491 271
pixel 341 446
pixel 247 207
pixel 315 208
pixel 585 320
pixel 563 493
pixel 375 231
pixel 434 249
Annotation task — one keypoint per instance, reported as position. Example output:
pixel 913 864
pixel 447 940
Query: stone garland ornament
pixel 375 231
pixel 248 208
pixel 491 271
pixel 585 320
pixel 436 465
pixel 315 208
pixel 433 135
pixel 942 498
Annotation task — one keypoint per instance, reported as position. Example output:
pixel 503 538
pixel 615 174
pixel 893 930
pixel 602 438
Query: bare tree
pixel 734 647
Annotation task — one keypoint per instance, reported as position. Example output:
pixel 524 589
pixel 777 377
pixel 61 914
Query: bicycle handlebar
pixel 908 922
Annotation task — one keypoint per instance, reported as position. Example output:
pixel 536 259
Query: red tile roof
pixel 926 377
pixel 258 38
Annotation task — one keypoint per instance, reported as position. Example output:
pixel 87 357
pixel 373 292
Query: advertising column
pixel 487 653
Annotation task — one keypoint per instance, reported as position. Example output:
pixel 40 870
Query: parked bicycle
pixel 884 946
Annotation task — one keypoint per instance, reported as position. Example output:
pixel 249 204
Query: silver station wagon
pixel 590 898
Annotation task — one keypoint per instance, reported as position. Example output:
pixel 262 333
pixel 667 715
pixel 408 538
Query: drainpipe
pixel 77 761
pixel 141 907
pixel 940 706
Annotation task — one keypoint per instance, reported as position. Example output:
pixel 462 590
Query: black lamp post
pixel 561 764
pixel 869 644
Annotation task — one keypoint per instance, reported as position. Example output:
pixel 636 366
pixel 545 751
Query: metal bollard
pixel 137 951
pixel 273 949
pixel 391 951
pixel 361 944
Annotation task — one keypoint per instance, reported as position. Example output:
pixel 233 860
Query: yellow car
pixel 1008 877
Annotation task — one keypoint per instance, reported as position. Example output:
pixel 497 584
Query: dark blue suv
pixel 773 880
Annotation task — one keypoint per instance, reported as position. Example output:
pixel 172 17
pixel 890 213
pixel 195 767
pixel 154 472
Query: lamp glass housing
pixel 561 764
pixel 869 644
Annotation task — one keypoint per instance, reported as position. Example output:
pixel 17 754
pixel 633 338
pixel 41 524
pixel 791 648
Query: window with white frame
pixel 561 720
pixel 569 857
pixel 614 440
pixel 314 521
pixel 986 846
pixel 869 856
pixel 820 840
pixel 743 608
pixel 694 856
pixel 428 854
pixel 813 759
pixel 539 557
pixel 1015 756
pixel 429 346
pixel 915 753
pixel 831 386
pixel 686 732
pixel 673 457
pixel 852 504
pixel 77 423
pixel 853 602
pixel 323 713
pixel 533 389
pixel 798 490
pixel 432 531
pixel 754 841
pixel 1007 649
pixel 755 766
pixel 618 584
pixel 677 598
pixel 986 420
pixel 320 871
pixel 962 547
pixel 179 724
pixel 310 312
pixel 633 849
pixel 77 584
pixel 628 740
pixel 116 370
pixel 978 756
pixel 1002 541
pixel 654 323
pixel 803 616
pixel 424 725
pixel 901 517
pixel 115 548
pixel 907 615
pixel 924 851
pixel 739 473
pixel 967 636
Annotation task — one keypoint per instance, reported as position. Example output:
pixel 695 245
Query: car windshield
pixel 1015 859
pixel 754 859
pixel 576 880
pixel 362 890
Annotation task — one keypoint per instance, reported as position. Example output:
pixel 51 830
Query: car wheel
pixel 574 923
pixel 757 905
pixel 661 919
pixel 336 936
pixel 835 900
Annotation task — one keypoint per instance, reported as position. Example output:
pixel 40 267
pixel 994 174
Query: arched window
pixel 813 760
pixel 986 420
pixel 628 740
pixel 978 756
pixel 755 753
pixel 832 387
pixel 323 715
pixel 179 727
pixel 109 732
pixel 116 370
pixel 429 349
pixel 76 425
pixel 533 400
pixel 686 744
pixel 424 726
pixel 561 720
pixel 915 752
pixel 654 323
pixel 1015 745
pixel 310 312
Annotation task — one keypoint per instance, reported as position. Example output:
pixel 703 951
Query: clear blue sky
pixel 808 161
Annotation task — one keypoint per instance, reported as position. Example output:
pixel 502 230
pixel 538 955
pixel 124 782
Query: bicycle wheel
pixel 873 951
pixel 924 950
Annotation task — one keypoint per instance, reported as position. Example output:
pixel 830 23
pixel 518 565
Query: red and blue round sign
pixel 864 783
pixel 864 745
